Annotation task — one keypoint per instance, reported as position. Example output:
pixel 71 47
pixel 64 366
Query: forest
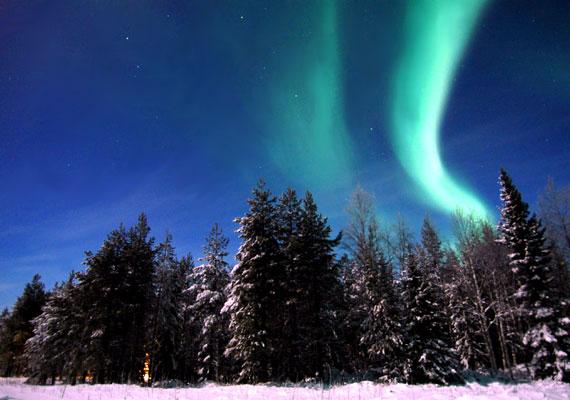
pixel 303 304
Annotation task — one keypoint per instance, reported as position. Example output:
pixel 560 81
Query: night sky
pixel 110 108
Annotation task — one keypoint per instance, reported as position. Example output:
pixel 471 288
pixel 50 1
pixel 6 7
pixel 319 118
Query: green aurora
pixel 311 140
pixel 436 34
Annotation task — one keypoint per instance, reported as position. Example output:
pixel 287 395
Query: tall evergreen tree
pixel 139 255
pixel 118 293
pixel 430 354
pixel 18 328
pixel 100 286
pixel 209 282
pixel 50 350
pixel 289 357
pixel 253 288
pixel 5 340
pixel 165 318
pixel 318 290
pixel 546 335
pixel 187 349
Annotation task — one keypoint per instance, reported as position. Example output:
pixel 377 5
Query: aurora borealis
pixel 437 32
pixel 177 108
pixel 307 128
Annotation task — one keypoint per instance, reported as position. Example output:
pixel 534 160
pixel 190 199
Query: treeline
pixel 386 307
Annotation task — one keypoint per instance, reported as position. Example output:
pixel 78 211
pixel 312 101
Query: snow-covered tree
pixel 317 292
pixel 50 351
pixel 363 285
pixel 117 296
pixel 18 328
pixel 288 359
pixel 374 311
pixel 187 345
pixel 463 314
pixel 253 288
pixel 546 335
pixel 209 281
pixel 473 309
pixel 165 318
pixel 429 349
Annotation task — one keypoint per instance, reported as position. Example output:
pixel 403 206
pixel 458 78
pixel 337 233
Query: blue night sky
pixel 110 108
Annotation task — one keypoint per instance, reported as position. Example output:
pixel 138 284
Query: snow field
pixel 14 389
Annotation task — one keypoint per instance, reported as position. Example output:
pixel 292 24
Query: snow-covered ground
pixel 14 389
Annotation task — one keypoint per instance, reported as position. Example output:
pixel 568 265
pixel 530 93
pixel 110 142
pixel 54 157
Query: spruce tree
pixel 253 288
pixel 139 257
pixel 165 319
pixel 545 337
pixel 187 349
pixel 117 295
pixel 100 285
pixel 49 351
pixel 289 357
pixel 5 340
pixel 18 328
pixel 429 351
pixel 318 290
pixel 209 281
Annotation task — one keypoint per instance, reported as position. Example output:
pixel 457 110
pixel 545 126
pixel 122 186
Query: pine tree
pixel 253 288
pixel 18 328
pixel 100 287
pixel 139 257
pixel 546 335
pixel 187 349
pixel 318 289
pixel 209 281
pixel 385 339
pixel 429 351
pixel 513 225
pixel 289 357
pixel 5 340
pixel 49 351
pixel 165 319
pixel 117 295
